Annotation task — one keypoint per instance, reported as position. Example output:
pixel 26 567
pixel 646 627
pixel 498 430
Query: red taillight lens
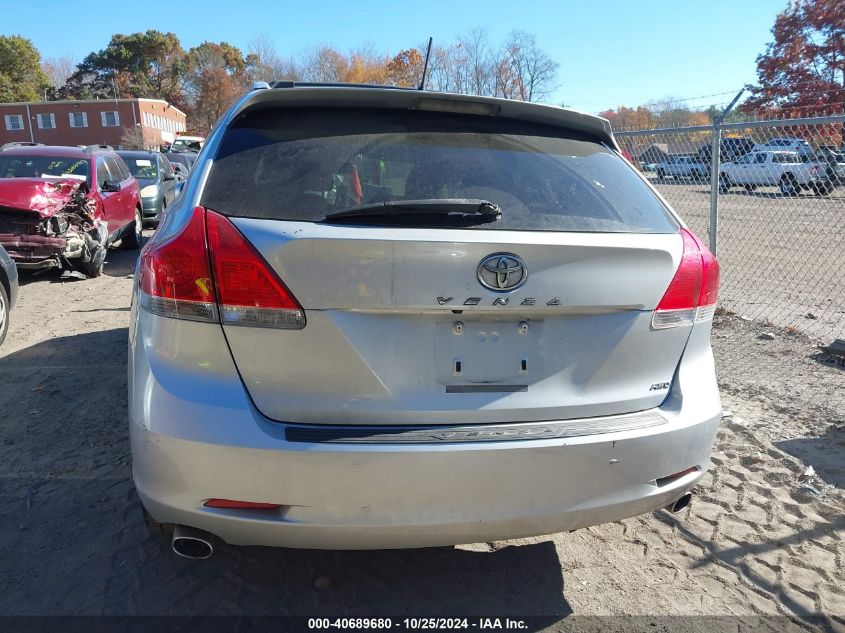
pixel 175 275
pixel 248 291
pixel 176 278
pixel 229 504
pixel 691 295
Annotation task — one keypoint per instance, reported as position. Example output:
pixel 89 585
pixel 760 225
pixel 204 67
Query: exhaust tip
pixel 191 543
pixel 681 503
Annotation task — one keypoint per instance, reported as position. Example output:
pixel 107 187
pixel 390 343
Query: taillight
pixel 248 291
pixel 175 275
pixel 209 268
pixel 692 293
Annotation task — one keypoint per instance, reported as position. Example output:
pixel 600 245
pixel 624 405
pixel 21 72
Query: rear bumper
pixel 195 435
pixel 372 498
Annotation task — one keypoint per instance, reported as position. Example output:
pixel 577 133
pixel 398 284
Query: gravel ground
pixel 782 257
pixel 760 537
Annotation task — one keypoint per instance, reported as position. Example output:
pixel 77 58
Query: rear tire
pixel 822 190
pixel 4 313
pixel 661 174
pixel 132 240
pixel 724 183
pixel 750 188
pixel 94 268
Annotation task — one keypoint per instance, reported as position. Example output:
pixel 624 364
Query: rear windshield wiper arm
pixel 460 211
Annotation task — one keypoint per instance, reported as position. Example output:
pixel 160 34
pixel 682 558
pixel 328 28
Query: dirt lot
pixel 758 539
pixel 782 257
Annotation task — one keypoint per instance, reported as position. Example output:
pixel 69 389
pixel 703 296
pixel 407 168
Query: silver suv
pixel 386 318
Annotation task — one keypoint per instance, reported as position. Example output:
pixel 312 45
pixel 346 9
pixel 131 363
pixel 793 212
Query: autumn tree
pixel 804 67
pixel 21 76
pixel 405 68
pixel 215 76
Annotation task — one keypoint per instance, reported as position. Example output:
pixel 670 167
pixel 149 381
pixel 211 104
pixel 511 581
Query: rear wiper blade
pixel 462 211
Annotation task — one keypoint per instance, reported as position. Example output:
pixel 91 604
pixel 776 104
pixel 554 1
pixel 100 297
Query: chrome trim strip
pixel 318 434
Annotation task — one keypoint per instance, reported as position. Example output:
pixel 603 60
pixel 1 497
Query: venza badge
pixel 502 272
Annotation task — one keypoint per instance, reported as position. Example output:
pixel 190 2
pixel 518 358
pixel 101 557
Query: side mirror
pixel 169 176
pixel 110 186
pixel 177 190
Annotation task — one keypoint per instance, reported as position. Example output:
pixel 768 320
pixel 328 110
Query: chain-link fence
pixel 770 197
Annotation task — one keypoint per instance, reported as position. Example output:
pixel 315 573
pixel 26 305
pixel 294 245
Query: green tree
pixel 21 76
pixel 150 64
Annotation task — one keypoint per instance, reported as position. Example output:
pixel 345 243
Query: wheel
pixel 788 186
pixel 661 174
pixel 4 313
pixel 94 268
pixel 132 239
pixel 750 188
pixel 724 183
pixel 822 189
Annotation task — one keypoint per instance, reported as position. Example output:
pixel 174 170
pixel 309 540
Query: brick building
pixel 101 121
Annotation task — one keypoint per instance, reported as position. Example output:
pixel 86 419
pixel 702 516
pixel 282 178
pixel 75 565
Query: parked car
pixel 834 159
pixel 157 180
pixel 732 148
pixel 786 170
pixel 61 205
pixel 12 144
pixel 789 144
pixel 684 166
pixel 187 159
pixel 8 291
pixel 180 170
pixel 404 322
pixel 187 144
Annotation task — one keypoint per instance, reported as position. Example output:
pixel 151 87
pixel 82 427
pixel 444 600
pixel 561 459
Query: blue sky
pixel 612 52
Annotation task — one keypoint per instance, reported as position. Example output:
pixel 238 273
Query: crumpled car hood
pixel 46 197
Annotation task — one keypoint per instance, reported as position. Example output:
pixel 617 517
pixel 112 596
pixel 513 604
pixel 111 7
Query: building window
pixel 46 121
pixel 110 119
pixel 14 121
pixel 78 119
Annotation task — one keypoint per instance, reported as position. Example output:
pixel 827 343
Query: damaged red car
pixel 62 207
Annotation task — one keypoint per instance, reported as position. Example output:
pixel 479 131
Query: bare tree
pixel 528 73
pixel 132 138
pixel 58 69
pixel 479 62
pixel 323 64
pixel 265 63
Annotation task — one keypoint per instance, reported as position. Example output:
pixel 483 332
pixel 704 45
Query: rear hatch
pixel 416 316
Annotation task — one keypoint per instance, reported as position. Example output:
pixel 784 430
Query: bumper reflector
pixel 229 504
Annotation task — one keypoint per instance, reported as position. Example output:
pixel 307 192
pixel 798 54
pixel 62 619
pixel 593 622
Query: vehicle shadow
pixel 119 263
pixel 75 541
pixel 826 454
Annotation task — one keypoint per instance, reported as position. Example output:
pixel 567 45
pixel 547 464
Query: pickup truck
pixel 684 167
pixel 789 171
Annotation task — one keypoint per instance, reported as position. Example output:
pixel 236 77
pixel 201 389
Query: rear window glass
pixel 141 167
pixel 302 164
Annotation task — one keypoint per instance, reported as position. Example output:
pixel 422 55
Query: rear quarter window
pixel 302 164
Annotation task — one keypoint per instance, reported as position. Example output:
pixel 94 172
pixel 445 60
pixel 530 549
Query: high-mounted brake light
pixel 209 269
pixel 692 293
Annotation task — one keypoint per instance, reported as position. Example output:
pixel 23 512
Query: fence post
pixel 715 159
